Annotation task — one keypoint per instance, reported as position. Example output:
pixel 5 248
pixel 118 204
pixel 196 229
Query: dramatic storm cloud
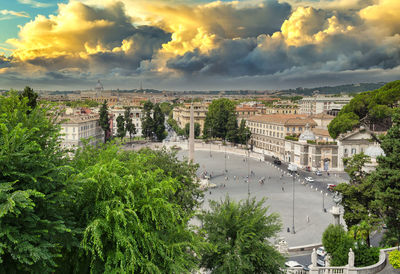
pixel 198 44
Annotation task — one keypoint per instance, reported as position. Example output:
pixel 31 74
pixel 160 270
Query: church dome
pixel 374 151
pixel 307 135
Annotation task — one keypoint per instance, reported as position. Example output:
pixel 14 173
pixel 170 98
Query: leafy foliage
pixel 337 243
pixel 394 259
pixel 104 121
pixel 32 226
pixel 239 234
pixel 121 132
pixel 147 120
pixel 386 178
pixel 32 97
pixel 364 255
pixel 358 197
pixel 129 215
pixel 129 125
pixel 244 133
pixel 375 105
pixel 159 120
pixel 219 113
pixel 197 129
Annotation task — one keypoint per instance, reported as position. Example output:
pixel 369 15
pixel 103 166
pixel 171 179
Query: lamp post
pixel 323 201
pixel 293 169
pixel 248 165
pixel 209 130
pixel 226 171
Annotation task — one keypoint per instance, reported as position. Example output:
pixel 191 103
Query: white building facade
pixel 136 115
pixel 77 127
pixel 322 104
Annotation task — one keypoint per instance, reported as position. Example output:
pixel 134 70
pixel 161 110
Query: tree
pixel 337 243
pixel 217 117
pixel 343 123
pixel 159 123
pixel 147 120
pixel 32 98
pixel 127 218
pixel 104 121
pixel 121 132
pixel 197 129
pixel 386 178
pixel 166 108
pixel 232 130
pixel 244 133
pixel 359 196
pixel 33 173
pixel 239 233
pixel 129 125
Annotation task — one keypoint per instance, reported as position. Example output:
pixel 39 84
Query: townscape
pixel 253 136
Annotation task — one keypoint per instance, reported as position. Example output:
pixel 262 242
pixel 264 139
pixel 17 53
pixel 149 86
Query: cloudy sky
pixel 198 45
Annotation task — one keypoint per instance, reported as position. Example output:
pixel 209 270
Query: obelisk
pixel 191 134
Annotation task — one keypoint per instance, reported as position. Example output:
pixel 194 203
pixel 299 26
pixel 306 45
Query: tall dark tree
pixel 32 97
pixel 239 234
pixel 32 183
pixel 197 129
pixel 217 117
pixel 147 120
pixel 358 196
pixel 232 129
pixel 129 125
pixel 159 123
pixel 386 177
pixel 105 121
pixel 121 132
pixel 244 133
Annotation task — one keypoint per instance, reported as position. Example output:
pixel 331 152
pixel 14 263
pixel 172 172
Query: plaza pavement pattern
pixel 310 219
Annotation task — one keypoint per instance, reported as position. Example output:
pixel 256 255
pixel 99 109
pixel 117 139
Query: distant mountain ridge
pixel 348 89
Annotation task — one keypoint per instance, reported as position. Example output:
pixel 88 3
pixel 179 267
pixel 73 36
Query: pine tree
pixel 159 123
pixel 32 97
pixel 232 129
pixel 121 132
pixel 104 121
pixel 386 177
pixel 147 120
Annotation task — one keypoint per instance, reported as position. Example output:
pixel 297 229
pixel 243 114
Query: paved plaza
pixel 310 220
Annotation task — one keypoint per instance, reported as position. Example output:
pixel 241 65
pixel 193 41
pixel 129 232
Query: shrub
pixel 365 255
pixel 394 259
pixel 337 243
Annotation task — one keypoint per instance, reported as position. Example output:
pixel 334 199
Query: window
pixel 287 129
pixel 353 151
pixel 293 129
pixel 345 150
pixel 300 128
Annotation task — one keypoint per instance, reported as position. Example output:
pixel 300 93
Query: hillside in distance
pixel 348 89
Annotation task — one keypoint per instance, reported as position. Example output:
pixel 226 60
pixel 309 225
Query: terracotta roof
pixel 283 119
pixel 322 116
pixel 321 132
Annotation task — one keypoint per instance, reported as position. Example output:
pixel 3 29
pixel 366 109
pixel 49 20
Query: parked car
pixel 308 168
pixel 331 187
pixel 296 264
pixel 309 179
pixel 277 162
pixel 321 256
pixel 318 173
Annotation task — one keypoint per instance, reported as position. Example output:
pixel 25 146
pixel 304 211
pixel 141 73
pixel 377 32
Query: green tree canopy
pixel 197 129
pixel 244 133
pixel 386 178
pixel 159 123
pixel 129 214
pixel 121 132
pixel 105 121
pixel 147 120
pixel 377 106
pixel 32 97
pixel 32 180
pixel 239 233
pixel 217 117
pixel 337 243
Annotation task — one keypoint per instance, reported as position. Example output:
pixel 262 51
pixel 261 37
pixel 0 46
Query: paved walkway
pixel 310 220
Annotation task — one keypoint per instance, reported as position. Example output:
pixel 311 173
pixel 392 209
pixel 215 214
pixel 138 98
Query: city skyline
pixel 198 45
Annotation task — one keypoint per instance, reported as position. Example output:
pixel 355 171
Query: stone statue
pixel 337 198
pixel 314 258
pixel 327 260
pixel 351 258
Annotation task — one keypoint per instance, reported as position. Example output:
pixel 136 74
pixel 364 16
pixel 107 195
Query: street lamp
pixel 293 169
pixel 209 130
pixel 248 165
pixel 226 171
pixel 323 201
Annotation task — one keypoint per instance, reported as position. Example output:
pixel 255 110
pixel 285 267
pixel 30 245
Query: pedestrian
pixel 283 189
pixel 308 219
pixel 210 192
